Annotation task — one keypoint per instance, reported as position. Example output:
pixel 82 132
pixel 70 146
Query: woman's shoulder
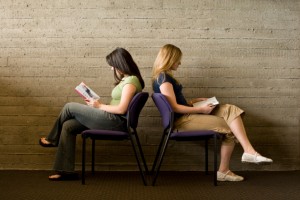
pixel 131 78
pixel 165 77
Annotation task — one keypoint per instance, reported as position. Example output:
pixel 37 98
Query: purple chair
pixel 134 109
pixel 167 115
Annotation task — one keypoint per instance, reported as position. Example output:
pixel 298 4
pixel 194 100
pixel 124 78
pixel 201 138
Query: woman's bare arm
pixel 168 90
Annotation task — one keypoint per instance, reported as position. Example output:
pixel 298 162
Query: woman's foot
pixel 255 158
pixel 45 143
pixel 63 177
pixel 229 176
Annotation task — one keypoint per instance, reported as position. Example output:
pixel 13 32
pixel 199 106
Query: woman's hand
pixel 206 109
pixel 93 103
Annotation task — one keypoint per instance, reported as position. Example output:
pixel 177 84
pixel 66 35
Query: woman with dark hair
pixel 122 58
pixel 75 117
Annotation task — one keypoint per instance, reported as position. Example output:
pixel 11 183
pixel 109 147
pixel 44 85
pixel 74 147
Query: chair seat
pixel 134 109
pixel 170 133
pixel 192 135
pixel 105 134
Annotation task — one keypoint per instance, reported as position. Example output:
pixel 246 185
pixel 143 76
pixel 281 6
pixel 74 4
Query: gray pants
pixel 73 119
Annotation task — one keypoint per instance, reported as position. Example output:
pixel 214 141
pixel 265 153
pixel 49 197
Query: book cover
pixel 86 92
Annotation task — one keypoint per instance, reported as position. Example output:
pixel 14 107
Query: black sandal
pixel 64 177
pixel 44 144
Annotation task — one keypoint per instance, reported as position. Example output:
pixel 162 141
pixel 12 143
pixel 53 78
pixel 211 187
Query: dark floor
pixel 34 185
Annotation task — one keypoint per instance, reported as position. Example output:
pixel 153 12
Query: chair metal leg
pixel 160 156
pixel 83 161
pixel 137 156
pixel 158 153
pixel 93 156
pixel 142 155
pixel 206 156
pixel 215 159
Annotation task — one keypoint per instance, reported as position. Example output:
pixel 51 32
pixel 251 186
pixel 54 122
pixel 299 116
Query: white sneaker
pixel 226 177
pixel 255 158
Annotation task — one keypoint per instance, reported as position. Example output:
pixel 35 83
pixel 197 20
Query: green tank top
pixel 117 91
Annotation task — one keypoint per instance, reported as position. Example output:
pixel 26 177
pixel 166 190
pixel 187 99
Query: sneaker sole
pixel 224 180
pixel 258 163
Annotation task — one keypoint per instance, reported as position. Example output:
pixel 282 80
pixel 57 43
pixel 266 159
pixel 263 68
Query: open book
pixel 86 92
pixel 212 100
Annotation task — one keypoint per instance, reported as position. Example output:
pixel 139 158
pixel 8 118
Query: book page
pixel 86 92
pixel 212 100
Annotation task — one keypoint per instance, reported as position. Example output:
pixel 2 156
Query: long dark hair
pixel 121 60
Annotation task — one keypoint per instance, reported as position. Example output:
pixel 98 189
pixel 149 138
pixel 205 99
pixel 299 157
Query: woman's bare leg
pixel 238 129
pixel 250 155
pixel 225 154
pixel 224 173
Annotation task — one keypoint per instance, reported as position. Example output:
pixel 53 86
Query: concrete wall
pixel 245 52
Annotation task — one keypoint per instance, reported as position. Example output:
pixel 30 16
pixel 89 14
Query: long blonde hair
pixel 167 56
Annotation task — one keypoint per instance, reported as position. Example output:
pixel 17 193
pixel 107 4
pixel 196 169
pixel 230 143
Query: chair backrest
pixel 135 107
pixel 164 108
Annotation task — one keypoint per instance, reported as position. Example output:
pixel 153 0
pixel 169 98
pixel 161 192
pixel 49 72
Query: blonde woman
pixel 225 119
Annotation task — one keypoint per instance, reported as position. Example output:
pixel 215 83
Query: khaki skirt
pixel 218 120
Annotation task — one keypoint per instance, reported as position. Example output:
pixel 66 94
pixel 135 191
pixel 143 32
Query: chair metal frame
pixel 133 112
pixel 167 115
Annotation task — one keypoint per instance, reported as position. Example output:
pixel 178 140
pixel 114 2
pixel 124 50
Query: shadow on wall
pixel 29 106
pixel 272 139
pixel 21 114
pixel 28 103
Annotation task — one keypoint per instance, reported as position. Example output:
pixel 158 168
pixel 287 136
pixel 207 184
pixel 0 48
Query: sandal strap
pixel 227 172
pixel 224 174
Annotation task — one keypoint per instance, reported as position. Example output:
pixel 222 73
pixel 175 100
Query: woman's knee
pixel 70 105
pixel 229 139
pixel 70 126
